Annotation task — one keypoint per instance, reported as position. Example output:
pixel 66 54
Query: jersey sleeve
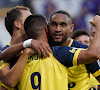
pixel 93 68
pixel 66 55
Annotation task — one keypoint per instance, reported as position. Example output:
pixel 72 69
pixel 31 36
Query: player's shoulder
pixel 56 49
pixel 63 49
pixel 65 54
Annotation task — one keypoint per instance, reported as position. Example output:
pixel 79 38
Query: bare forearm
pixel 14 74
pixel 86 57
pixel 93 52
pixel 11 52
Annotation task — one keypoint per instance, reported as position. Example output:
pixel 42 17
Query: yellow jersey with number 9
pixel 50 73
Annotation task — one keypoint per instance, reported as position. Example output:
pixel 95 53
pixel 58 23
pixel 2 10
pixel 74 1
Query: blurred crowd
pixel 82 11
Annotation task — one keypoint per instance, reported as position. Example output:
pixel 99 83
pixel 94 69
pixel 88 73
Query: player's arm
pixel 93 52
pixel 41 47
pixel 4 67
pixel 12 77
pixel 11 52
pixel 3 71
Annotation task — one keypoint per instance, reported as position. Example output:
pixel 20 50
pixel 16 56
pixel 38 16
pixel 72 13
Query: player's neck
pixel 17 38
pixel 43 38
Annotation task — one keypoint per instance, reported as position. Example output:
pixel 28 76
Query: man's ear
pixel 17 24
pixel 72 27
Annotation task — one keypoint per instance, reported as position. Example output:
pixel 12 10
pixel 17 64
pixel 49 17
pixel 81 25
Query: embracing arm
pixel 11 51
pixel 12 77
pixel 41 47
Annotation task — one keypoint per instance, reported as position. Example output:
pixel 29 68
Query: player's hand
pixel 95 21
pixel 42 48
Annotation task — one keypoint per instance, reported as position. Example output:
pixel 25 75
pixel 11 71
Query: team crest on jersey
pixel 72 50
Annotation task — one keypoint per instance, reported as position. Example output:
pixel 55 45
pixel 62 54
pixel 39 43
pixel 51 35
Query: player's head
pixel 35 26
pixel 81 36
pixel 15 18
pixel 60 26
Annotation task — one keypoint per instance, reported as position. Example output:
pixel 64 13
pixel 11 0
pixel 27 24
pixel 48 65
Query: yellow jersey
pixel 2 64
pixel 79 77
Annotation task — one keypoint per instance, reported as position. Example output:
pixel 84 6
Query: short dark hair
pixel 12 15
pixel 34 25
pixel 78 33
pixel 62 12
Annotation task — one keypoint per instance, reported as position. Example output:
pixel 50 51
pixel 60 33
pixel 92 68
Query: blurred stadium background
pixel 82 11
